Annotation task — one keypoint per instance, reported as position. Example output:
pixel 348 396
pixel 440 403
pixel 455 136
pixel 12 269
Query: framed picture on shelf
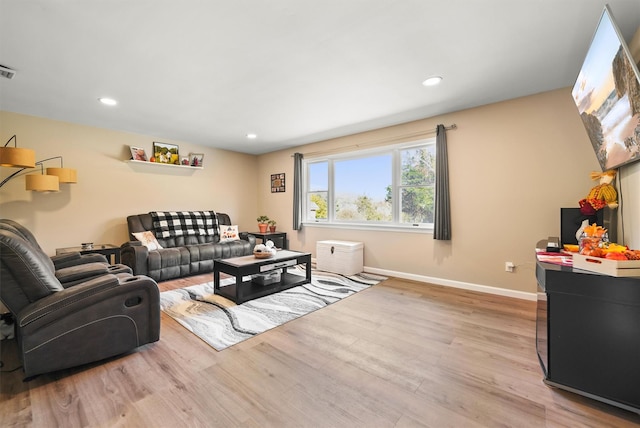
pixel 196 159
pixel 184 160
pixel 277 183
pixel 166 153
pixel 138 154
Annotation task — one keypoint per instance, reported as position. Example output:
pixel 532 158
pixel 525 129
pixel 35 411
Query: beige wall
pixel 109 189
pixel 629 210
pixel 512 166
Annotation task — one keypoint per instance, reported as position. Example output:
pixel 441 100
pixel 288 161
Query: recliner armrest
pixel 66 297
pixel 80 298
pixel 66 257
pixel 246 236
pixel 135 255
pixel 61 261
pixel 71 275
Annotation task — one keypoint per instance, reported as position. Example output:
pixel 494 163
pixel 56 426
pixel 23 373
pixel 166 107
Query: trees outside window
pixel 417 184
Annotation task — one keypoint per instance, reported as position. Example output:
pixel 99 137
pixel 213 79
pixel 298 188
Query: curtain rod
pixel 382 141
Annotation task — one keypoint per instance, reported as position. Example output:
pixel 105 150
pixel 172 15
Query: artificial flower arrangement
pixel 594 243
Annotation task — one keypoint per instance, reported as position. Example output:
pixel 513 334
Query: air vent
pixel 7 72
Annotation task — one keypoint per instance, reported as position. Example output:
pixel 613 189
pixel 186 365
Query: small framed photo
pixel 184 160
pixel 196 159
pixel 166 153
pixel 138 154
pixel 277 183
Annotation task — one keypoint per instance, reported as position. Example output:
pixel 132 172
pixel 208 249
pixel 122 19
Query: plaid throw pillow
pixel 168 224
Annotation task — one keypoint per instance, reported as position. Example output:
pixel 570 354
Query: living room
pixel 513 164
pixel 501 206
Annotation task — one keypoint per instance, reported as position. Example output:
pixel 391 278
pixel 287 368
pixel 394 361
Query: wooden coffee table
pixel 242 267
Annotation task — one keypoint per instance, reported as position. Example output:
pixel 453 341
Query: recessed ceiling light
pixel 252 136
pixel 108 101
pixel 432 81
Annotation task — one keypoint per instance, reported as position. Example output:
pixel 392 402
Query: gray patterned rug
pixel 221 323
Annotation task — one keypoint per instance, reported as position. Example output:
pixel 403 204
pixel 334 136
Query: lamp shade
pixel 17 157
pixel 42 183
pixel 65 175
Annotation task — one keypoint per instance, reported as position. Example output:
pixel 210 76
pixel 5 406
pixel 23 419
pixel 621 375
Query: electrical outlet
pixel 509 266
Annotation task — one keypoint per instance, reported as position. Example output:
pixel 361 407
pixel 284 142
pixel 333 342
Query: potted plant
pixel 262 223
pixel 272 225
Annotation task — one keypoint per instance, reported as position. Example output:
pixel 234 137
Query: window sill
pixel 377 227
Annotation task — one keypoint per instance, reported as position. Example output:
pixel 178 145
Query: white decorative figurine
pixel 265 250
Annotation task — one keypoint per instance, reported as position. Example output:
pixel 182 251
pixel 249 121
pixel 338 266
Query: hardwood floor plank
pixel 481 402
pixel 403 401
pixel 399 354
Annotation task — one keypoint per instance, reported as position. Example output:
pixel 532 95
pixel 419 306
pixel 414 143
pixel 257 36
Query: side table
pixel 278 238
pixel 108 250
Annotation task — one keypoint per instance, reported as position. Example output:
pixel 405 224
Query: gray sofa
pixel 182 255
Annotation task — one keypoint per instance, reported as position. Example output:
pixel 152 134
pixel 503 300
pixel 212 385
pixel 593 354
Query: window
pixel 387 187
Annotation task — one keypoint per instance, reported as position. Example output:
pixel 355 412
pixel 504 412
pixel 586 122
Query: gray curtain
pixel 442 220
pixel 297 191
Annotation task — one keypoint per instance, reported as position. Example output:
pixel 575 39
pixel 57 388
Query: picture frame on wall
pixel 166 153
pixel 138 154
pixel 277 183
pixel 196 159
pixel 184 160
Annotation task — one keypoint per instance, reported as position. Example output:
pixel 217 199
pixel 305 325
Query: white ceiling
pixel 292 71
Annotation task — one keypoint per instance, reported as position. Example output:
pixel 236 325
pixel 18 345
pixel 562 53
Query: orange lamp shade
pixel 65 175
pixel 17 157
pixel 42 183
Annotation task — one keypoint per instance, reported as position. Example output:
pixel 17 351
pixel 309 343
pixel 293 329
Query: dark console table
pixel 588 333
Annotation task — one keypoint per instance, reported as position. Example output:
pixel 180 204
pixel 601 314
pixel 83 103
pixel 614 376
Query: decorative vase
pixel 262 227
pixel 592 242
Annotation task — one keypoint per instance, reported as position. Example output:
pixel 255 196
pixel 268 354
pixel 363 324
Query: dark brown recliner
pixel 58 327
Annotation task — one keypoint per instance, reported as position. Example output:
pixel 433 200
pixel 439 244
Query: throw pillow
pixel 148 240
pixel 228 233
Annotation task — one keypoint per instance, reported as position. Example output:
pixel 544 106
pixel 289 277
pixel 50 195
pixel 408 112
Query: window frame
pixel 396 186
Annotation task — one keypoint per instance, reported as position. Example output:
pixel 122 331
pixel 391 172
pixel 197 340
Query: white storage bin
pixel 343 257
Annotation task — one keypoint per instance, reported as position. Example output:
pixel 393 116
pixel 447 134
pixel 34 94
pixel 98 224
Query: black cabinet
pixel 588 333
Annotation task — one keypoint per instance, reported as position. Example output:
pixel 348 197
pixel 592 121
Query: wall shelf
pixel 166 165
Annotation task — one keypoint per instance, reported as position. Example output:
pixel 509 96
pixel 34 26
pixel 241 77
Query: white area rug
pixel 221 323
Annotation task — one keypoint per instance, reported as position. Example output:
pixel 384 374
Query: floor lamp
pixel 18 157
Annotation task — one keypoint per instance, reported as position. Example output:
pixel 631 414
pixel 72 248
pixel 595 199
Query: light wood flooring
pixel 399 354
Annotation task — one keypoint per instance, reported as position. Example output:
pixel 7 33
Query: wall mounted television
pixel 607 94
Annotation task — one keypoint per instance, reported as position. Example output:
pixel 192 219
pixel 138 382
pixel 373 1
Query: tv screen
pixel 607 94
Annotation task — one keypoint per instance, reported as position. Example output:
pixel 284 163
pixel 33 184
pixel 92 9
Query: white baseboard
pixel 523 295
pixel 455 284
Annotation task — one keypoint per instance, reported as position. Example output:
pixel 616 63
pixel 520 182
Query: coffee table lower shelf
pixel 252 290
